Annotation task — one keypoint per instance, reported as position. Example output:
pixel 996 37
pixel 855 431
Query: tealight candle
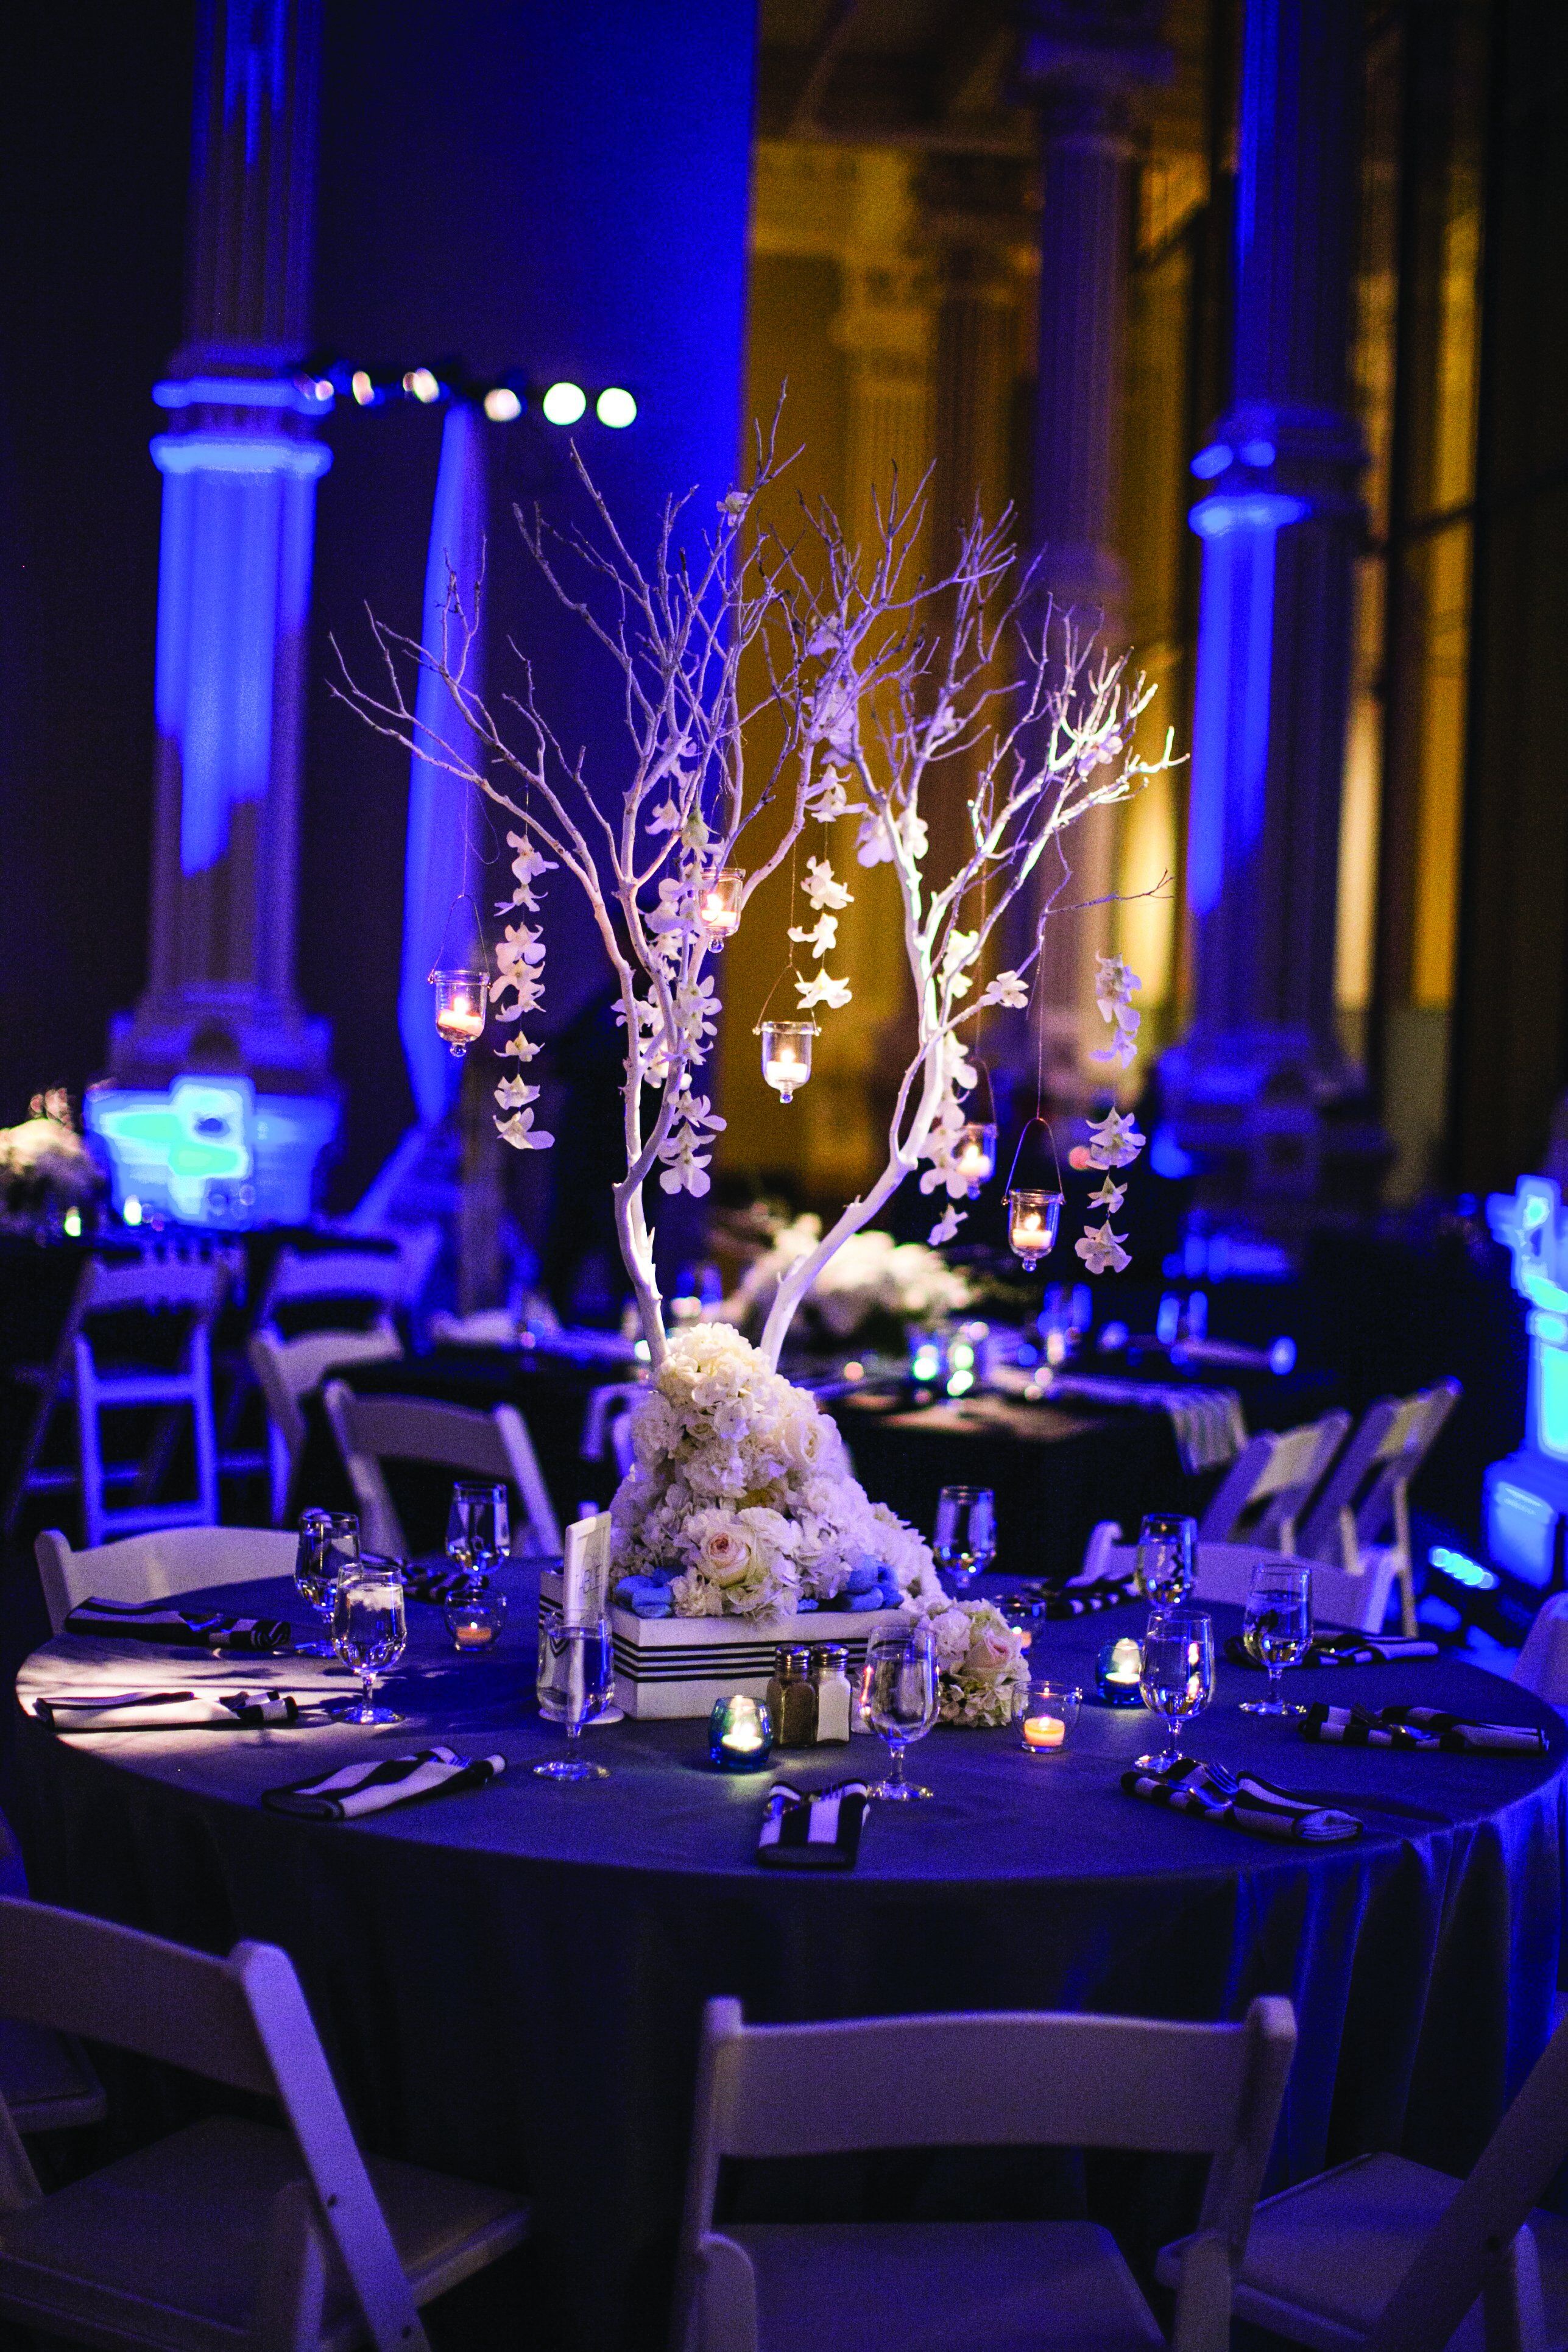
pixel 459 1008
pixel 740 1734
pixel 718 908
pixel 974 1155
pixel 1117 1670
pixel 1050 1716
pixel 1044 1731
pixel 1032 1222
pixel 787 1055
pixel 474 1620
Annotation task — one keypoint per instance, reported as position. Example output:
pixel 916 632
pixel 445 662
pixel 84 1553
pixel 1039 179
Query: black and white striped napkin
pixel 372 1786
pixel 1242 1799
pixel 171 1710
pixel 1419 1727
pixel 812 1829
pixel 441 1586
pixel 1346 1650
pixel 181 1629
pixel 1056 1602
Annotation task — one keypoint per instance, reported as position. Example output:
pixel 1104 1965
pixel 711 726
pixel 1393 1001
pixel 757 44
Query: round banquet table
pixel 509 1982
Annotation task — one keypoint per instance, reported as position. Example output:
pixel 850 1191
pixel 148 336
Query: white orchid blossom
pixel 1099 1248
pixel 822 937
pixel 1007 989
pixel 1114 1140
pixel 822 889
pixel 821 989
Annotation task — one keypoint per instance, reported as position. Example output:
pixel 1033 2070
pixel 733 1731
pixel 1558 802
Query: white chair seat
pixel 1322 2259
pixel 168 2245
pixel 971 2286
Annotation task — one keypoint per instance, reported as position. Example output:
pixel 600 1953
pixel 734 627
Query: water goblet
pixel 899 1697
pixel 1164 1563
pixel 329 1544
pixel 370 1629
pixel 584 1681
pixel 478 1525
pixel 1177 1680
pixel 964 1542
pixel 1278 1628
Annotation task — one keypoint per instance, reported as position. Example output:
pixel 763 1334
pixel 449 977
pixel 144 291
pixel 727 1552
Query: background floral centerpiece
pixel 45 1166
pixel 742 1501
pixel 872 1289
pixel 982 1678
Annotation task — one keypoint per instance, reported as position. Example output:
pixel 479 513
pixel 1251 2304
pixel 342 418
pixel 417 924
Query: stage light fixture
pixel 563 404
pixel 362 387
pixel 422 384
pixel 615 407
pixel 503 405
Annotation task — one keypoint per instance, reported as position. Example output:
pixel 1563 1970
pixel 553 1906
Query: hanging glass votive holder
pixel 459 1007
pixel 787 1055
pixel 719 907
pixel 1032 1222
pixel 974 1155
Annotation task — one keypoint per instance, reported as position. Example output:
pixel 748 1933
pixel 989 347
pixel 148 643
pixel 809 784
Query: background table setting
pixel 508 1972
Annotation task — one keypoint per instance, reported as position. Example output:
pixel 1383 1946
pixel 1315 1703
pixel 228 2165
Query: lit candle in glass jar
pixel 459 1008
pixel 787 1055
pixel 1044 1731
pixel 718 909
pixel 1032 1222
pixel 976 1155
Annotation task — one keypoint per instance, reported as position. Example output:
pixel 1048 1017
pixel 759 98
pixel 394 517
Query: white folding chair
pixel 1384 2255
pixel 1366 1500
pixel 47 2079
pixel 1269 1485
pixel 189 1287
pixel 231 2235
pixel 1223 1571
pixel 158 1566
pixel 1542 1665
pixel 997 2080
pixel 299 1277
pixel 287 1372
pixel 374 1430
pixel 610 1414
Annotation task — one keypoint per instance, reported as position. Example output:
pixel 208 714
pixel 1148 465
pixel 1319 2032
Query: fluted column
pixel 239 464
pixel 1279 521
pixel 1084 70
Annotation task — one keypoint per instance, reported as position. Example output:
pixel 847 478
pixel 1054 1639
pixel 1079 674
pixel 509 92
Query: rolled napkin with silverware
pixel 1242 1799
pixel 440 1586
pixel 171 1710
pixel 180 1629
pixel 1346 1649
pixel 1417 1728
pixel 812 1829
pixel 371 1787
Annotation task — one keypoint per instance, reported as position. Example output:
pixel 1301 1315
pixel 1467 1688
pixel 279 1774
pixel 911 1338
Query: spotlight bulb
pixel 563 404
pixel 422 384
pixel 503 405
pixel 615 407
pixel 362 387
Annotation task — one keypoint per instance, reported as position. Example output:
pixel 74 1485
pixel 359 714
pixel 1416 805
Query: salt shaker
pixel 831 1680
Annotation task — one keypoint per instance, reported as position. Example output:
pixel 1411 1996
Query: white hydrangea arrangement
pixel 983 1679
pixel 870 1274
pixel 44 1159
pixel 742 1501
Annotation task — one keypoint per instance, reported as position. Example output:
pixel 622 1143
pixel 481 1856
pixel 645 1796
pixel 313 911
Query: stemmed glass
pixel 582 1689
pixel 1164 1563
pixel 1278 1628
pixel 329 1544
pixel 479 1526
pixel 964 1543
pixel 898 1695
pixel 369 1632
pixel 1177 1680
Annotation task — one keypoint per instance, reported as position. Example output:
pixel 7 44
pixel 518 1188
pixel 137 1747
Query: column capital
pixel 1082 61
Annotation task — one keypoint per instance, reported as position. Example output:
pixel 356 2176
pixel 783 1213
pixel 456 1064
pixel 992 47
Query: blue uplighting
pixel 1166 1157
pixel 1211 461
pixel 1258 453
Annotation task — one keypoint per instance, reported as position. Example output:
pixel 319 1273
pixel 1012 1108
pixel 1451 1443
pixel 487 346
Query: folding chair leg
pixel 1511 2299
pixel 288 2314
pixel 1404 1571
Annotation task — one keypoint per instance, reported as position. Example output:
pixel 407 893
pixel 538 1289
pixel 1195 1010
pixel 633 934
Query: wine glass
pixel 1278 1628
pixel 329 1543
pixel 964 1543
pixel 584 1677
pixel 479 1526
pixel 370 1631
pixel 1163 1561
pixel 1177 1680
pixel 898 1695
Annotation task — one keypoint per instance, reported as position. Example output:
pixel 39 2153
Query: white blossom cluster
pixel 741 1483
pixel 868 1274
pixel 982 1678
pixel 518 988
pixel 1114 1140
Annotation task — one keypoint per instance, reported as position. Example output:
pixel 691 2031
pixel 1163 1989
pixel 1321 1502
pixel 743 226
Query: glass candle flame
pixel 787 1055
pixel 740 1734
pixel 459 1008
pixel 976 1155
pixel 1032 1222
pixel 718 909
pixel 1044 1731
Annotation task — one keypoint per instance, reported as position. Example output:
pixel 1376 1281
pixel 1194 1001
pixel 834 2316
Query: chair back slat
pixel 336 1274
pixel 153 1283
pixel 1271 1482
pixel 158 1566
pixel 373 1429
pixel 133 1991
pixel 1375 1471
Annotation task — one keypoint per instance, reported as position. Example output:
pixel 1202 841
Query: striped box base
pixel 671 1668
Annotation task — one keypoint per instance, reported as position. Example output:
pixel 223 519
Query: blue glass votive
pixel 740 1734
pixel 1116 1673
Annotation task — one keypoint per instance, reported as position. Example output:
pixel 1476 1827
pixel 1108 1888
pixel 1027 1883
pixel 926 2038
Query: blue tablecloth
pixel 509 1982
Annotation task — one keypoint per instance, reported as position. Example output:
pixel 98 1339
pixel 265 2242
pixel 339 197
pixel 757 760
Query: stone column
pixel 1083 70
pixel 240 466
pixel 1279 518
